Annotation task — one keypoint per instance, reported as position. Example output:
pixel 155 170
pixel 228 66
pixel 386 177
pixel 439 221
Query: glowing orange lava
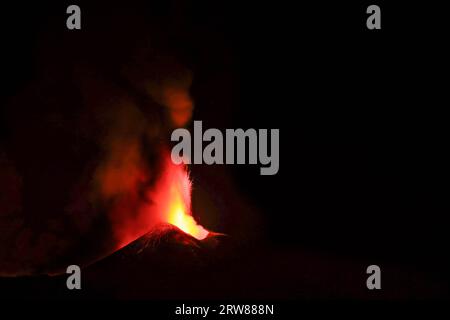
pixel 179 207
pixel 169 201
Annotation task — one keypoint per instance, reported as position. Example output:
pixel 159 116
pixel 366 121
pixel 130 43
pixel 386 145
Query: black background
pixel 362 118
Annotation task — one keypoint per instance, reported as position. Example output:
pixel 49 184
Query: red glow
pixel 169 201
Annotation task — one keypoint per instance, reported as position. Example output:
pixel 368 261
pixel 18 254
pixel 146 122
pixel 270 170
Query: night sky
pixel 363 140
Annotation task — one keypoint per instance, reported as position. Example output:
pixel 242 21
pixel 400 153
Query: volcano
pixel 164 241
pixel 169 264
pixel 164 263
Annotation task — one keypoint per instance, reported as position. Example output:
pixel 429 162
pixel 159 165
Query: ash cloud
pixel 86 139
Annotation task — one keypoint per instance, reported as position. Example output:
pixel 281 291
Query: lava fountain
pixel 168 201
pixel 179 202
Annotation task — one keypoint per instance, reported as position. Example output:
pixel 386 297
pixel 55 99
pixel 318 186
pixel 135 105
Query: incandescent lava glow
pixel 179 211
pixel 168 201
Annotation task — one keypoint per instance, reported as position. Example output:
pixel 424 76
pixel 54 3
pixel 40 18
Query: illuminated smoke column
pixel 85 168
